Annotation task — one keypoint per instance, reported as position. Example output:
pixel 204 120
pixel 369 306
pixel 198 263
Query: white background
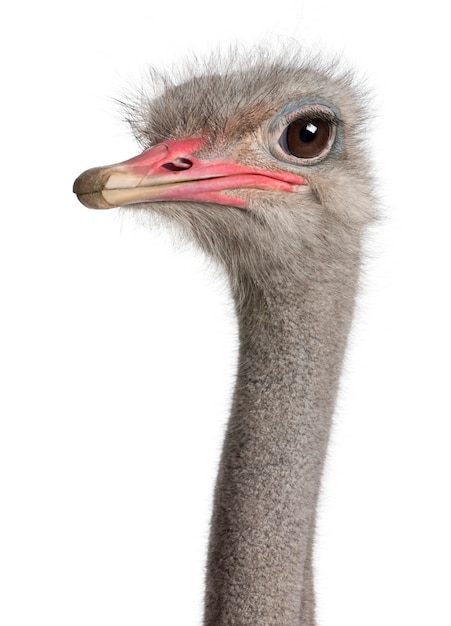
pixel 118 349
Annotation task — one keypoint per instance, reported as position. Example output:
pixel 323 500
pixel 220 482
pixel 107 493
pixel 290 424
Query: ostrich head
pixel 260 161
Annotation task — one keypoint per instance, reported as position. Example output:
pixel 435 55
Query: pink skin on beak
pixel 170 171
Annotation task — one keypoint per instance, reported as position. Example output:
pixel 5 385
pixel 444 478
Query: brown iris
pixel 308 138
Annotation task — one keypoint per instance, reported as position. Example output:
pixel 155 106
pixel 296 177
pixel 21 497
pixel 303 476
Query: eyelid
pixel 309 103
pixel 318 112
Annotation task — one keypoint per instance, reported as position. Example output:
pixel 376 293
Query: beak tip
pixel 94 201
pixel 88 189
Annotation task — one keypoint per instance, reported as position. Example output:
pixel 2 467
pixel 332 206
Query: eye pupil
pixel 308 132
pixel 308 138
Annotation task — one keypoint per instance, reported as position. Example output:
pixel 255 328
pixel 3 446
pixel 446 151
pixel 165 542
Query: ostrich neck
pixel 292 341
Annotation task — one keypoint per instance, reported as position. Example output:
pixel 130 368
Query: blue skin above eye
pixel 310 101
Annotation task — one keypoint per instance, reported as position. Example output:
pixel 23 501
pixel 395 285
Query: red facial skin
pixel 171 171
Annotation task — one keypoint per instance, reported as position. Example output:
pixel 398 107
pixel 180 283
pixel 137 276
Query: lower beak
pixel 170 171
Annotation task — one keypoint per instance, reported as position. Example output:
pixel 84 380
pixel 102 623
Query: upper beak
pixel 171 171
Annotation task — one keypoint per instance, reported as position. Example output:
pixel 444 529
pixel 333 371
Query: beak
pixel 170 171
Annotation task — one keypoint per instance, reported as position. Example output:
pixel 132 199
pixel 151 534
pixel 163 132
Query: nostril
pixel 178 164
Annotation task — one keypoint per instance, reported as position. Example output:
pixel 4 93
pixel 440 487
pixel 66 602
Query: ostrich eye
pixel 307 139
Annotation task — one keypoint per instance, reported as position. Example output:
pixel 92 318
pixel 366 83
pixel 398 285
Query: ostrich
pixel 260 161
